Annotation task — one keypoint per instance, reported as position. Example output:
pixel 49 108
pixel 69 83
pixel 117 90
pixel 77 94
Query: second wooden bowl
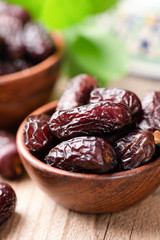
pixel 24 91
pixel 89 193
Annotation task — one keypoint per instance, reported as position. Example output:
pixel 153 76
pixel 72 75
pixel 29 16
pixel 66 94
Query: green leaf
pixel 59 14
pixel 102 5
pixel 33 6
pixel 93 50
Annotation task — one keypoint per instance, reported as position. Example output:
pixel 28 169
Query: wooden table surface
pixel 37 217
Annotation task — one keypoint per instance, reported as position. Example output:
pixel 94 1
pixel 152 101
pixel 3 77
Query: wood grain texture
pixel 37 217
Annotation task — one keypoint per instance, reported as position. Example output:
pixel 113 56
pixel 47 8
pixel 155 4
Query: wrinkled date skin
pixel 117 96
pixel 37 42
pixel 7 202
pixel 151 100
pixel 77 92
pixel 83 154
pixel 10 163
pixel 151 112
pixel 89 120
pixel 135 149
pixel 37 135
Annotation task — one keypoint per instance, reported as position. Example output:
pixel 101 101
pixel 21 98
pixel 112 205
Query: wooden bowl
pixel 24 91
pixel 89 193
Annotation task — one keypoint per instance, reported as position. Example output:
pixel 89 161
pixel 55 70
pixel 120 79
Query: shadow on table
pixel 10 226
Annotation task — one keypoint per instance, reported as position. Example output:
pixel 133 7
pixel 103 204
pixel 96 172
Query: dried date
pixel 37 135
pixel 151 112
pixel 135 149
pixel 150 101
pixel 10 163
pixel 10 35
pixel 6 67
pixel 116 95
pixel 77 92
pixel 83 154
pixel 91 120
pixel 15 11
pixel 37 42
pixel 8 201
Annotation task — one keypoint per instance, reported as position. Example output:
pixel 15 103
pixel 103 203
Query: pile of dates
pixel 96 130
pixel 23 42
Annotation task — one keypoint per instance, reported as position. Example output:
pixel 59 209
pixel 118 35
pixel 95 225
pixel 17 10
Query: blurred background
pixel 105 38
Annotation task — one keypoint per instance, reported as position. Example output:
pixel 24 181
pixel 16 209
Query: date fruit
pixel 116 95
pixel 7 201
pixel 15 11
pixel 37 135
pixel 91 120
pixel 83 154
pixel 6 67
pixel 77 92
pixel 10 163
pixel 151 112
pixel 150 101
pixel 135 149
pixel 10 34
pixel 37 42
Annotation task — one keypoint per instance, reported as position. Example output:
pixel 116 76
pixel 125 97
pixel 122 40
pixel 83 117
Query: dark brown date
pixel 77 92
pixel 37 135
pixel 10 34
pixel 6 67
pixel 135 149
pixel 150 101
pixel 10 163
pixel 37 42
pixel 15 11
pixel 151 112
pixel 7 201
pixel 91 120
pixel 83 154
pixel 116 95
